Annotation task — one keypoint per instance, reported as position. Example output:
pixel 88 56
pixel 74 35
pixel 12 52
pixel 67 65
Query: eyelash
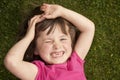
pixel 63 39
pixel 49 41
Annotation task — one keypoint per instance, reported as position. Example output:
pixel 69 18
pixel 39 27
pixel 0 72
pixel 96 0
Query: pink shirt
pixel 73 69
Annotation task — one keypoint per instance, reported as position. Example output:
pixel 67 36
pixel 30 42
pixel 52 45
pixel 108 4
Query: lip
pixel 57 54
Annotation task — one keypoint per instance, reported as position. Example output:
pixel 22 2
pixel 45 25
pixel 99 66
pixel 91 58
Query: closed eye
pixel 48 41
pixel 63 39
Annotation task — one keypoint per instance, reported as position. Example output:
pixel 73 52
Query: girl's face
pixel 54 48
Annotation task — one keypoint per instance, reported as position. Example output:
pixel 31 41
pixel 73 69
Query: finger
pixel 45 4
pixel 43 8
pixel 33 19
pixel 40 19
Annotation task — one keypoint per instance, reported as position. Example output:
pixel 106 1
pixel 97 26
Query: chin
pixel 59 62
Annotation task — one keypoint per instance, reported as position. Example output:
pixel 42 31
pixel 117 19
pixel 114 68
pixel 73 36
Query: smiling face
pixel 55 47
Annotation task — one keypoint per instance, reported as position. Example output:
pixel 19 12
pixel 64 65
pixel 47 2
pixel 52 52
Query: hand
pixel 31 25
pixel 51 11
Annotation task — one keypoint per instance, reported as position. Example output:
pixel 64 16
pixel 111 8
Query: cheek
pixel 68 45
pixel 46 49
pixel 42 48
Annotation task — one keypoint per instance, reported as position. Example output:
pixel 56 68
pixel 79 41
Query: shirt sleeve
pixel 75 55
pixel 39 66
pixel 75 62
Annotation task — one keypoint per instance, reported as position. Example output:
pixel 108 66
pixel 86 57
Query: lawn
pixel 103 59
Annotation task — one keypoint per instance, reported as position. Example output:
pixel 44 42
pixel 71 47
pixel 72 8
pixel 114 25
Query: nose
pixel 57 45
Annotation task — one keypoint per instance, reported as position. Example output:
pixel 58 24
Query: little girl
pixel 50 36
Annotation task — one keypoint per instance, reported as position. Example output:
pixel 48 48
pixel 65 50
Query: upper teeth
pixel 57 54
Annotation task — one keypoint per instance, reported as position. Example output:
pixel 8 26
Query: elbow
pixel 88 28
pixel 91 30
pixel 9 62
pixel 92 27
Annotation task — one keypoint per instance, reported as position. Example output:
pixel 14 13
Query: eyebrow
pixel 47 39
pixel 64 35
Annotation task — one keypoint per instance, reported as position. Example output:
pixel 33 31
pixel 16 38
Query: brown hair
pixel 42 26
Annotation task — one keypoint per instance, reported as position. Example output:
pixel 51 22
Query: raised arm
pixel 85 26
pixel 14 58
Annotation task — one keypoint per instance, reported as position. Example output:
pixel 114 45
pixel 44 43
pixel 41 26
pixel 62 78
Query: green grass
pixel 103 60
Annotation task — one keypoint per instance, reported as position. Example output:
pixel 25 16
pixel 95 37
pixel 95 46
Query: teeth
pixel 57 54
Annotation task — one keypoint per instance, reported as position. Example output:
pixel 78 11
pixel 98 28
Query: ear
pixel 35 52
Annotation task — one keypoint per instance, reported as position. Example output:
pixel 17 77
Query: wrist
pixel 28 38
pixel 64 12
pixel 61 10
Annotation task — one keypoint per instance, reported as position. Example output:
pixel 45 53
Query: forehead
pixel 56 29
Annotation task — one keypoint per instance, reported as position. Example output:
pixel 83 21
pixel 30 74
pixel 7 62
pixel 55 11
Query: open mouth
pixel 57 54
